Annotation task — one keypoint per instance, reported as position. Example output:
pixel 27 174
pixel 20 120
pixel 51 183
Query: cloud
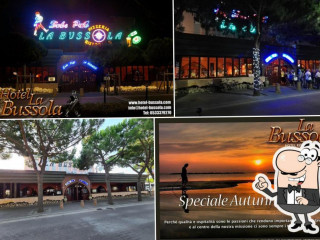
pixel 200 146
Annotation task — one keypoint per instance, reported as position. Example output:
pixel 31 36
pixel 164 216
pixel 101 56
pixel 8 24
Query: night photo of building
pixel 248 58
pixel 108 53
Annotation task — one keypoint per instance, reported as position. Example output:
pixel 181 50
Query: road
pixel 238 105
pixel 129 221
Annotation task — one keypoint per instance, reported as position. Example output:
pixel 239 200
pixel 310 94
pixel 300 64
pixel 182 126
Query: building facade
pixel 201 56
pixel 22 184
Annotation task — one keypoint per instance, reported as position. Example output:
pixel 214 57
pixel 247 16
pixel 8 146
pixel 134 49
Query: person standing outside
pixel 184 175
pixel 308 79
pixel 317 77
pixel 283 79
pixel 295 79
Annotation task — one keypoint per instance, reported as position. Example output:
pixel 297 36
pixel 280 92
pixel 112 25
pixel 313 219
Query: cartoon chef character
pixel 38 23
pixel 296 185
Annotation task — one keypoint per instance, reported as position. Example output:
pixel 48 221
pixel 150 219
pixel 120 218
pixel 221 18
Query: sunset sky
pixel 219 147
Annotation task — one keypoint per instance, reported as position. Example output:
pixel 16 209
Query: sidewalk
pixel 8 215
pixel 187 104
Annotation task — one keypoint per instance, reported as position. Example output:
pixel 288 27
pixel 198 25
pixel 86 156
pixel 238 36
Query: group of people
pixel 306 77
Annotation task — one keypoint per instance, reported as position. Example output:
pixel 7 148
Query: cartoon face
pixel 298 166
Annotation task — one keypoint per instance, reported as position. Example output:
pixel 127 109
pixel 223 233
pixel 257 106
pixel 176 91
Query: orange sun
pixel 258 162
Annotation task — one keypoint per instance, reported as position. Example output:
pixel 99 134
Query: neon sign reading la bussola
pixel 79 30
pixel 74 30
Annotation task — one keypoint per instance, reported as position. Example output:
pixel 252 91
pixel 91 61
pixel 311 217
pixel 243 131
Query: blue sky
pixel 111 122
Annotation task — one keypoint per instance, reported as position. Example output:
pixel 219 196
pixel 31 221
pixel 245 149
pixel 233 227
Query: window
pixel 49 191
pixel 228 67
pixel 203 67
pixel 129 75
pixel 212 67
pixel 123 73
pixel 185 67
pixel 311 64
pixel 8 193
pixel 220 67
pixel 194 71
pixel 177 70
pixel 101 189
pixel 145 70
pixel 308 65
pixel 236 68
pixel 243 67
pixel 249 62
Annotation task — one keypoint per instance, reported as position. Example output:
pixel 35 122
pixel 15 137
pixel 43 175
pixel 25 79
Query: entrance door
pixel 77 192
pixel 276 69
pixel 78 77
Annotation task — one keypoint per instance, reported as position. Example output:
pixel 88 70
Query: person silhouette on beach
pixel 184 176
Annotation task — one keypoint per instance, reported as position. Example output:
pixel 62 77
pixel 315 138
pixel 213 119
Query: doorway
pixel 78 77
pixel 276 69
pixel 77 192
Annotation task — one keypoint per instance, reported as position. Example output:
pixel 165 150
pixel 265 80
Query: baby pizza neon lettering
pixel 78 24
pixel 75 24
pixel 56 24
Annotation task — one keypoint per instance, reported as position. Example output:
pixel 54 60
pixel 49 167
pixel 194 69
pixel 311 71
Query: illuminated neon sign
pixel 275 55
pixel 38 24
pixel 90 65
pixel 69 182
pixel 63 24
pixel 272 56
pixel 56 24
pixel 84 182
pixel 71 63
pixel 92 35
pixel 78 24
pixel 133 38
pixel 99 34
pixel 288 57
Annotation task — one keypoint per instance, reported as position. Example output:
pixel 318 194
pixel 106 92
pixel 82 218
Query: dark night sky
pixel 18 15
